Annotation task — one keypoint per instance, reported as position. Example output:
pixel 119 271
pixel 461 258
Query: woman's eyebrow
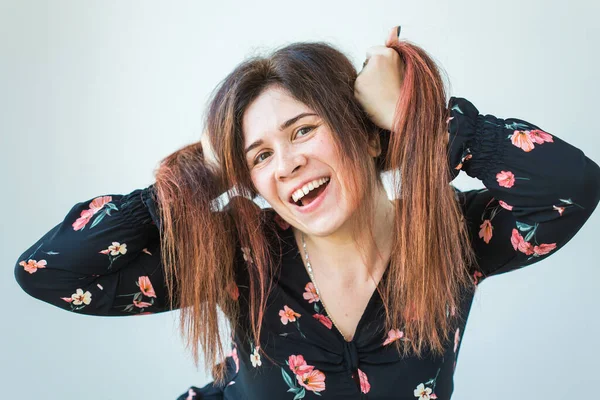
pixel 283 126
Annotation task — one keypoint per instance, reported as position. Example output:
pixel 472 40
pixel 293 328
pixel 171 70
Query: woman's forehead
pixel 270 112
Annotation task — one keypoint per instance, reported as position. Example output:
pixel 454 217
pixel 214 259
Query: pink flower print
pixel 476 276
pixel 141 304
pixel 281 222
pixel 543 248
pixel 191 394
pixel 83 219
pixel 522 140
pixel 298 365
pixel 98 203
pixel 504 205
pixel 115 249
pixel 32 266
pixel 505 179
pixel 520 244
pixel 465 158
pixel 424 393
pixel 456 339
pixel 145 250
pixel 365 386
pixel 236 359
pixel 313 380
pixel 324 320
pixel 307 377
pixel 560 210
pixel 486 231
pixel 67 299
pixel 146 286
pixel 525 139
pixel 79 297
pixel 539 137
pixel 310 293
pixel 288 315
pixel 393 335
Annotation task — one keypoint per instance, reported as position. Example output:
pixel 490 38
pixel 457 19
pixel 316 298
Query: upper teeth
pixel 298 194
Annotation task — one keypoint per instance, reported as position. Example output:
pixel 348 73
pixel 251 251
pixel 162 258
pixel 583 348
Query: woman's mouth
pixel 307 201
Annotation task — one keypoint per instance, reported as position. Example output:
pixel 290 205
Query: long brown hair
pixel 431 252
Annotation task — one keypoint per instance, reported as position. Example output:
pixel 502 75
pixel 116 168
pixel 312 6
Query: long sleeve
pixel 539 190
pixel 102 259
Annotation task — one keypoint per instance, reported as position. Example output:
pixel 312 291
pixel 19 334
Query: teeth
pixel 298 194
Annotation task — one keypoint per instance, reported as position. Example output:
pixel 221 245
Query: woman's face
pixel 289 146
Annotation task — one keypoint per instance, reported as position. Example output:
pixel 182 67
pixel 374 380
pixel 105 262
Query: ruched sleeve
pixel 539 189
pixel 102 259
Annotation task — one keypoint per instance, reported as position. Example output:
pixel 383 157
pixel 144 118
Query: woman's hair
pixel 431 251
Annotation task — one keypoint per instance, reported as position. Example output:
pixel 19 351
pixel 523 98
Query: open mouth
pixel 312 195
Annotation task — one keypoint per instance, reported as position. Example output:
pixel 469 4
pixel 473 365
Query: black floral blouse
pixel 104 259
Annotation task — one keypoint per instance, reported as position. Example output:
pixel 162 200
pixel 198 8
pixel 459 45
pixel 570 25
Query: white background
pixel 94 93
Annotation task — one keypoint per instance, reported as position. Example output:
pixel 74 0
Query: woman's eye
pixel 306 128
pixel 258 157
pixel 302 132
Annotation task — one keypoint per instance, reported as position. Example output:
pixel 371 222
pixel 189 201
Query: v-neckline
pixel 299 256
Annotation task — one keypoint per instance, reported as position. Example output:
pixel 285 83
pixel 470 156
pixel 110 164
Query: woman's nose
pixel 288 163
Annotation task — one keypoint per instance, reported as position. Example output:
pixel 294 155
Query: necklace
pixel 312 278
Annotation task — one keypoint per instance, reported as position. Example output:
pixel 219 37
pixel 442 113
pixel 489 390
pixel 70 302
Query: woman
pixel 336 290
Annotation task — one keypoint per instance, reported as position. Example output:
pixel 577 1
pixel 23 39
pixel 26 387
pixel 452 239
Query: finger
pixel 376 50
pixel 393 36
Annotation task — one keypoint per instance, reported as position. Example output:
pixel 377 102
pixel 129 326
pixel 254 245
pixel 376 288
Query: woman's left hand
pixel 378 86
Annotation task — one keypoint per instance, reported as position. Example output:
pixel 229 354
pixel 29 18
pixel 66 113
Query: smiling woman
pixel 336 290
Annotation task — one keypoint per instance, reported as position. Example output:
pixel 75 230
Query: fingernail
pixel 399 29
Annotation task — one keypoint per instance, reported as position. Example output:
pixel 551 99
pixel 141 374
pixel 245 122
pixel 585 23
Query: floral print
pixel 146 289
pixel 288 315
pixel 365 386
pixel 525 139
pixel 102 203
pixel 393 335
pixel 114 251
pixel 32 266
pixel 324 320
pixel 236 358
pixel 310 293
pixel 307 377
pixel 104 259
pixel 191 395
pixel 486 231
pixel 79 299
pixel 146 286
pixel 424 393
pixel 456 339
pixel 255 358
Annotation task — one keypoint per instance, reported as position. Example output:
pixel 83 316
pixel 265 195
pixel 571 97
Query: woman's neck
pixel 339 254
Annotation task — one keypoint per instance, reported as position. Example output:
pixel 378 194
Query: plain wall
pixel 94 93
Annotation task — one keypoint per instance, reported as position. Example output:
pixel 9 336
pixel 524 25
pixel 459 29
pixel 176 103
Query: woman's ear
pixel 374 145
